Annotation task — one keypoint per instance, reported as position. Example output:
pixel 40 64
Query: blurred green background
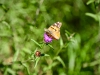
pixel 23 20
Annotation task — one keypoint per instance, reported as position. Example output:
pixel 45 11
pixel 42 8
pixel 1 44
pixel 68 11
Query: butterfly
pixel 54 30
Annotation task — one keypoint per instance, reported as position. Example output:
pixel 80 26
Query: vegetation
pixel 23 51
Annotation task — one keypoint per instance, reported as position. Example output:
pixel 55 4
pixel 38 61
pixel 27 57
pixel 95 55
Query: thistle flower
pixel 47 39
pixel 52 33
pixel 38 54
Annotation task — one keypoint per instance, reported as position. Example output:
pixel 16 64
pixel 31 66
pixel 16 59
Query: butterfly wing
pixel 54 35
pixel 54 30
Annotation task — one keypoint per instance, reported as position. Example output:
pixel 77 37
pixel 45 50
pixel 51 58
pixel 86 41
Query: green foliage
pixel 22 24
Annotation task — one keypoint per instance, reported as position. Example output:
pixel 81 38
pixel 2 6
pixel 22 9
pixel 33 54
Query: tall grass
pixel 22 24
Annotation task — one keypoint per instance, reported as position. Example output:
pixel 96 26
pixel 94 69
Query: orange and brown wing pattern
pixel 54 30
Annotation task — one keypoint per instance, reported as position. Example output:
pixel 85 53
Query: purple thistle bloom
pixel 47 39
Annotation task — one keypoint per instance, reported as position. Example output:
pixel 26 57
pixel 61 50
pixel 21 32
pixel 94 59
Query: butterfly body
pixel 54 30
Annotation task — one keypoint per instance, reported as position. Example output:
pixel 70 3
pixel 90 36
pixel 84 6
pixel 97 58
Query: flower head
pixel 47 39
pixel 38 53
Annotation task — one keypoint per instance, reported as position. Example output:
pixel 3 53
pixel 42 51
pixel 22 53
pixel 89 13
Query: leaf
pixel 61 43
pixel 36 43
pixel 37 60
pixel 90 1
pixel 50 46
pixel 16 55
pixel 46 55
pixel 92 15
pixel 60 60
pixel 27 69
pixel 11 71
